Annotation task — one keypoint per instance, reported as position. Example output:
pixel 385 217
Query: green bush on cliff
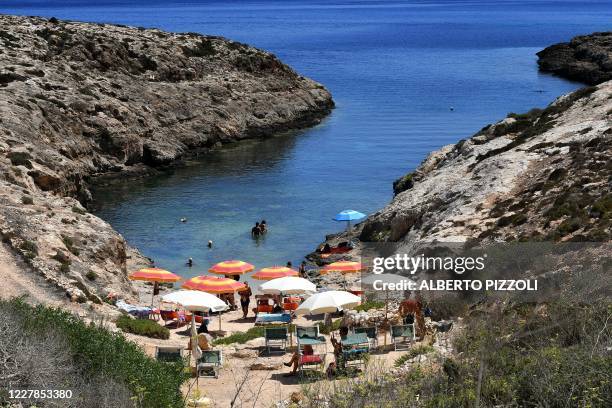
pixel 143 327
pixel 515 355
pixel 99 355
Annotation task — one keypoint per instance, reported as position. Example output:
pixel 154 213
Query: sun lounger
pixel 210 363
pixel 273 318
pixel 168 354
pixel 371 332
pixel 355 347
pixel 402 336
pixel 276 336
pixel 140 312
pixel 309 336
pixel 173 315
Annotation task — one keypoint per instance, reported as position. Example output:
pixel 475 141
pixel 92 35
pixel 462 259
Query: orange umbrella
pixel 231 268
pixel 343 267
pixel 213 284
pixel 154 275
pixel 274 272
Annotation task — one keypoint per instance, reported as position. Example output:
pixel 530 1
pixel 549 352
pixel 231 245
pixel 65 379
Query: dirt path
pixel 18 279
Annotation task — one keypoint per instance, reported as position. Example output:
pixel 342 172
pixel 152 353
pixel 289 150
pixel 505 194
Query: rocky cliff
pixel 83 100
pixel 586 58
pixel 544 175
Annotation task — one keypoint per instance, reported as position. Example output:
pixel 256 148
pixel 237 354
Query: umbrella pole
pixel 219 320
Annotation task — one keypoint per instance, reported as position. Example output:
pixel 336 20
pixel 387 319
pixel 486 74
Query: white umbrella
pixel 289 285
pixel 328 302
pixel 195 301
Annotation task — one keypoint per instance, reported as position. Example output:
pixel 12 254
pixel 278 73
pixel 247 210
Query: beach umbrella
pixel 274 272
pixel 328 302
pixel 156 275
pixel 195 301
pixel 342 267
pixel 233 267
pixel 290 285
pixel 348 216
pixel 213 284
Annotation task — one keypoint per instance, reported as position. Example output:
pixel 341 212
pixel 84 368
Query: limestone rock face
pixel 81 101
pixel 540 175
pixel 586 58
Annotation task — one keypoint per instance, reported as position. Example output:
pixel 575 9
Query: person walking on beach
pixel 245 299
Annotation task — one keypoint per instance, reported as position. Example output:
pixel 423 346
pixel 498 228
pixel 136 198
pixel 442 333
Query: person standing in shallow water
pixel 256 231
pixel 263 227
pixel 302 269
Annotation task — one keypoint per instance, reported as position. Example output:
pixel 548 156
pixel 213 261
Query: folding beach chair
pixel 168 354
pixel 276 336
pixel 354 348
pixel 371 332
pixel 402 336
pixel 210 363
pixel 309 336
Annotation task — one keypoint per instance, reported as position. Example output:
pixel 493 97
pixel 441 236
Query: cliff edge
pixel 81 100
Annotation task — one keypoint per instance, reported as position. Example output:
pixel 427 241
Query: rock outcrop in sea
pixel 586 58
pixel 81 101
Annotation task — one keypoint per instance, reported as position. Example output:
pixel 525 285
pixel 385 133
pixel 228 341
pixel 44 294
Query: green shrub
pixel 403 183
pixel 243 337
pixel 91 275
pixel 336 324
pixel 27 200
pixel 29 246
pixel 100 352
pixel 78 210
pixel 69 243
pixel 143 327
pixel 370 304
pixel 418 350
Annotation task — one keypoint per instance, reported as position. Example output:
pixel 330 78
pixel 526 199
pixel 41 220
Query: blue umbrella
pixel 348 216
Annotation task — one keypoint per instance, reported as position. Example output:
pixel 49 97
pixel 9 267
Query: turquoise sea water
pixel 394 67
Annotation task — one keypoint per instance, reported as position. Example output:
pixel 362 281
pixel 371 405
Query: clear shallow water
pixel 394 67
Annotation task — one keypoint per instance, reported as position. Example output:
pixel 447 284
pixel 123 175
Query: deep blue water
pixel 394 67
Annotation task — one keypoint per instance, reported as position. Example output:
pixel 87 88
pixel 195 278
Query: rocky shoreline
pixel 586 58
pixel 543 175
pixel 86 103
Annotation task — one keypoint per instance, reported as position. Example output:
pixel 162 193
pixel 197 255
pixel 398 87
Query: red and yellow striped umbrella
pixel 154 275
pixel 274 272
pixel 213 284
pixel 231 268
pixel 343 267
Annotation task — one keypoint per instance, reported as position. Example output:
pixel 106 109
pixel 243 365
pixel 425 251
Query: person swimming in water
pixel 263 226
pixel 190 262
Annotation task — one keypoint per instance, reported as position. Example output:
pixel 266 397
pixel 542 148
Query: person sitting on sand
pixel 295 359
pixel 203 342
pixel 245 299
pixel 256 231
